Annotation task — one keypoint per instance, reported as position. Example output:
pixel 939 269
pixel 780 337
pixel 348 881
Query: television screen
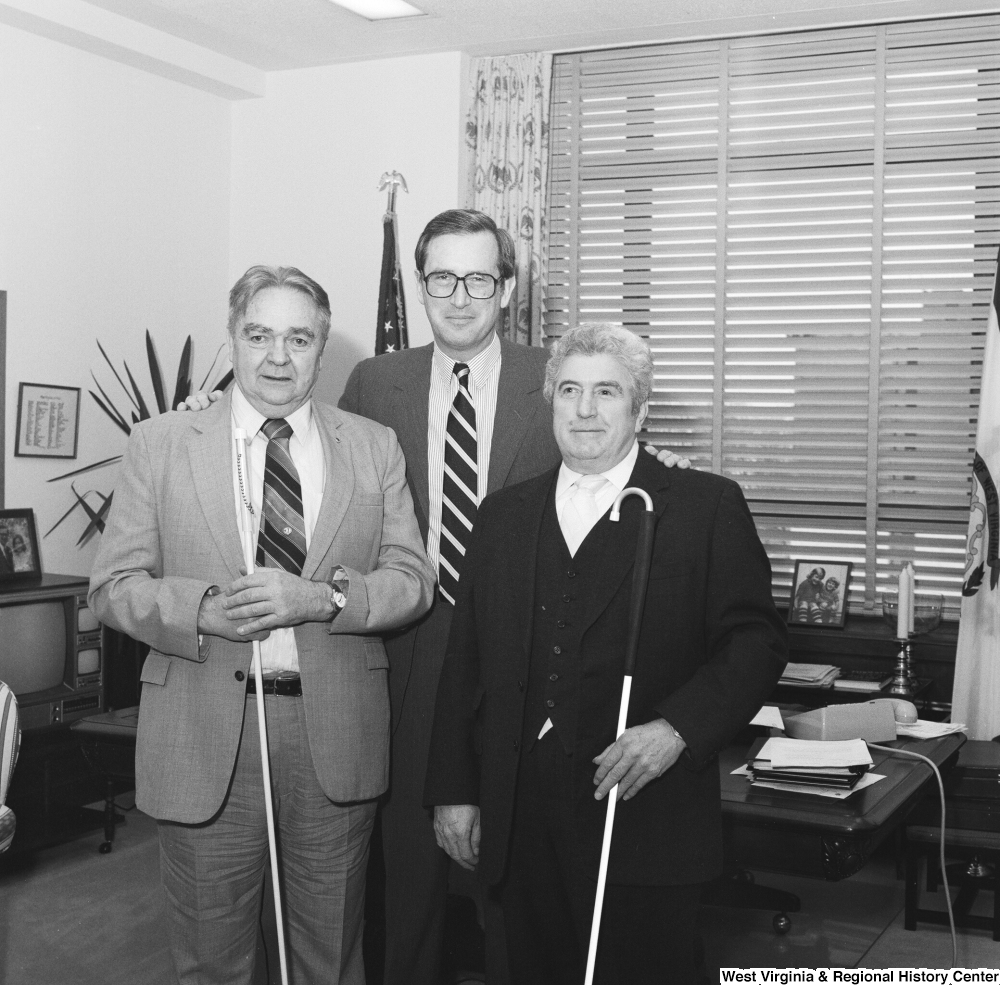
pixel 33 648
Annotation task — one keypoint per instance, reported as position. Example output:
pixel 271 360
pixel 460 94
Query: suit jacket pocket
pixel 155 668
pixel 375 655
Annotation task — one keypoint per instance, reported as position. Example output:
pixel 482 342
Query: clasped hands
pixel 640 754
pixel 267 599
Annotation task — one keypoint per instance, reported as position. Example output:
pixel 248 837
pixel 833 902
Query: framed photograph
pixel 19 558
pixel 819 594
pixel 48 419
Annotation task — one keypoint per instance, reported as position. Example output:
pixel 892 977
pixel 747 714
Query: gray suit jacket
pixel 394 389
pixel 172 533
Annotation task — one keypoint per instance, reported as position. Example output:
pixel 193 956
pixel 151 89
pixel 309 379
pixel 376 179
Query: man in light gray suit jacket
pixel 344 563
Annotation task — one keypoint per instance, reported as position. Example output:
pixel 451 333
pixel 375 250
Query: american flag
pixel 390 332
pixel 976 697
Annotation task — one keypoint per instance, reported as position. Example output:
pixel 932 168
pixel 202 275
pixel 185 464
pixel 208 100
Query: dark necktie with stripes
pixel 461 485
pixel 281 540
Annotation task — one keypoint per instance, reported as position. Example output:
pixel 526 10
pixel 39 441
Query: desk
pixel 816 836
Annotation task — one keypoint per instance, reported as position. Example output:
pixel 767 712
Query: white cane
pixel 640 578
pixel 246 531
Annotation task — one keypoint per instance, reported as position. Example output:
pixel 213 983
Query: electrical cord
pixel 944 871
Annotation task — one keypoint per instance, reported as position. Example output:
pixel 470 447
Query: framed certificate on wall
pixel 48 419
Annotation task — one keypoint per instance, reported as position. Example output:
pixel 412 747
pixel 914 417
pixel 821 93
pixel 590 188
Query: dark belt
pixel 287 687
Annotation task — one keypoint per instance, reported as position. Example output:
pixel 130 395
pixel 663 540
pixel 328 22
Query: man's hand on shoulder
pixel 666 457
pixel 201 400
pixel 271 598
pixel 456 828
pixel 213 620
pixel 642 753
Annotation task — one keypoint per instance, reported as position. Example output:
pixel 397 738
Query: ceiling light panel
pixel 379 10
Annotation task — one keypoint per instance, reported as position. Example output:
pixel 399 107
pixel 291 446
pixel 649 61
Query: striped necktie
pixel 281 541
pixel 461 485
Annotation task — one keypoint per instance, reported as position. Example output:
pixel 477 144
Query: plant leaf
pixel 112 414
pixel 225 381
pixel 96 518
pixel 144 414
pixel 211 368
pixel 155 375
pixel 115 371
pixel 182 389
pixel 87 468
pixel 113 409
pixel 60 520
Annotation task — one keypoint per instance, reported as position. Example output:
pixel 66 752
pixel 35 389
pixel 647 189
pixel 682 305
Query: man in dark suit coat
pixel 397 390
pixel 529 692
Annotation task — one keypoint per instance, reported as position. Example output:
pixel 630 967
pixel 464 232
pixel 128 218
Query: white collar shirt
pixel 278 652
pixel 617 479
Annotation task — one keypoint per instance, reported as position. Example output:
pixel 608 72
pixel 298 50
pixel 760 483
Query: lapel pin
pixel 287 531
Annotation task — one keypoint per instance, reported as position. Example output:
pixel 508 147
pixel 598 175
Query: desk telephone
pixel 873 721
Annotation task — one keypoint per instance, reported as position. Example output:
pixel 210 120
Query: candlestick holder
pixel 904 681
pixel 926 616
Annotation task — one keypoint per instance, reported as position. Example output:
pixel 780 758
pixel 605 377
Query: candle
pixel 913 586
pixel 901 618
pixel 904 606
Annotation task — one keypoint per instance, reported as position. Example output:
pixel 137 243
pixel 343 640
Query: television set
pixel 51 651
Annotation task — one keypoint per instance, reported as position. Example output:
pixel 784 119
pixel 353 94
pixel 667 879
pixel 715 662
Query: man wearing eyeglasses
pixel 470 416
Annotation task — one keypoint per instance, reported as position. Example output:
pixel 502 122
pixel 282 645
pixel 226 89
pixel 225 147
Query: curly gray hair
pixel 599 339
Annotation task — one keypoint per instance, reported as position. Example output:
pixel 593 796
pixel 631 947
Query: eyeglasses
pixel 442 284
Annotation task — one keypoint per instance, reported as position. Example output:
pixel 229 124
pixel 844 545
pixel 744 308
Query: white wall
pixel 306 164
pixel 114 200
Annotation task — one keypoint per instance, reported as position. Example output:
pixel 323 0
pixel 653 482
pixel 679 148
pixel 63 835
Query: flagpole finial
pixel 392 180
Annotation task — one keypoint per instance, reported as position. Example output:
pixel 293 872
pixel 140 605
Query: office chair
pixel 10 740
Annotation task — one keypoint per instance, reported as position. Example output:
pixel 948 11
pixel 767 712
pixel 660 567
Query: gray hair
pixel 600 340
pixel 261 277
pixel 466 222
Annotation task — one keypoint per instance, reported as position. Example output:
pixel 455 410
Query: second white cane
pixel 640 578
pixel 246 533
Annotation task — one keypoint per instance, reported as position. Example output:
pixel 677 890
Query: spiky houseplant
pixel 139 411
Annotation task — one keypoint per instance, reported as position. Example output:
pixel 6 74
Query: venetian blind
pixel 805 228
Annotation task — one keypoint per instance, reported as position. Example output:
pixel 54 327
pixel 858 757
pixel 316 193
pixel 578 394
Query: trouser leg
pixel 545 906
pixel 416 869
pixel 652 931
pixel 212 875
pixel 323 853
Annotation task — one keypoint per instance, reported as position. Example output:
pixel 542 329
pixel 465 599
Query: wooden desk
pixel 807 835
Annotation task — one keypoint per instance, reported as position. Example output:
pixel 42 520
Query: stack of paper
pixel 862 680
pixel 804 765
pixel 810 675
pixel 928 730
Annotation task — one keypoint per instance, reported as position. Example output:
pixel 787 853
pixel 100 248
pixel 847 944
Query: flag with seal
pixel 976 695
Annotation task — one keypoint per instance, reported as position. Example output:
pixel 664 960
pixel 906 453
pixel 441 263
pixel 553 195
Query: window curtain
pixel 506 133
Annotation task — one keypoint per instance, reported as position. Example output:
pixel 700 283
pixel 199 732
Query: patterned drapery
pixel 507 135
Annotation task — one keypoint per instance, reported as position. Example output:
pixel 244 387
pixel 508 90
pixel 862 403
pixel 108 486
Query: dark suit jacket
pixel 394 389
pixel 712 647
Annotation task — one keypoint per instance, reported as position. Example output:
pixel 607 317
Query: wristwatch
pixel 339 584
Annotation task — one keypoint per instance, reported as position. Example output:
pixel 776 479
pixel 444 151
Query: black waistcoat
pixel 555 675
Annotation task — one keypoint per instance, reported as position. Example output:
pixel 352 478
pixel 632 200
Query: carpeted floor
pixel 70 916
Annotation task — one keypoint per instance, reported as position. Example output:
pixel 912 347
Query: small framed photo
pixel 48 420
pixel 819 594
pixel 19 558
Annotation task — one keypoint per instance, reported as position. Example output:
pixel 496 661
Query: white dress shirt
pixel 278 653
pixel 484 375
